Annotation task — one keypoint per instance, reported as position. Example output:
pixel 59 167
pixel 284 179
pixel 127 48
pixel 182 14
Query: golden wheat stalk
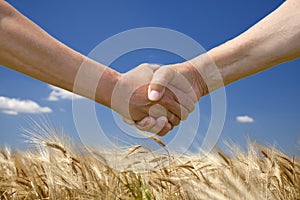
pixel 54 169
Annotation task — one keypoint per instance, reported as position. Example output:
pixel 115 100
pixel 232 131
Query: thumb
pixel 161 78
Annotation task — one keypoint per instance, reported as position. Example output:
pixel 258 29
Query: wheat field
pixel 55 167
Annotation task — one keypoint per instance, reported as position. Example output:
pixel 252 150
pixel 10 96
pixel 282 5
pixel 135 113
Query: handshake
pixel 154 98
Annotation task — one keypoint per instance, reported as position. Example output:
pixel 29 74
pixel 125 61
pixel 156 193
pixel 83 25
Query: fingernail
pixel 154 95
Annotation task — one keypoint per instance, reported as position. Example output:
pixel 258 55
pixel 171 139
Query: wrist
pixel 106 85
pixel 95 81
pixel 193 75
pixel 208 76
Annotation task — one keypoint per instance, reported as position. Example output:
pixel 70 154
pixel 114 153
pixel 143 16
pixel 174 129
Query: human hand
pixel 183 80
pixel 184 77
pixel 130 99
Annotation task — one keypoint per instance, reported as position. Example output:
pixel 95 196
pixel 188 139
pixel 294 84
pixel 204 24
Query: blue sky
pixel 270 98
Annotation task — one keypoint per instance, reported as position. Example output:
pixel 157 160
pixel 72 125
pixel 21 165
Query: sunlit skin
pixel 28 49
pixel 273 40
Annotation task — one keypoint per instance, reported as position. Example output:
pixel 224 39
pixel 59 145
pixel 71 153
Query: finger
pixel 154 67
pixel 173 119
pixel 161 78
pixel 181 82
pixel 165 129
pixel 174 107
pixel 128 121
pixel 186 100
pixel 160 124
pixel 184 113
pixel 161 127
pixel 157 111
pixel 146 124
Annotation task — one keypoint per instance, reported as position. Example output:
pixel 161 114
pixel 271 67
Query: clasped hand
pixel 154 98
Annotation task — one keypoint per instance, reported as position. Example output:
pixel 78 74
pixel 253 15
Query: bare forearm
pixel 28 49
pixel 273 40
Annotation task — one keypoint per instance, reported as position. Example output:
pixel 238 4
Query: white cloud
pixel 244 119
pixel 60 94
pixel 10 112
pixel 12 106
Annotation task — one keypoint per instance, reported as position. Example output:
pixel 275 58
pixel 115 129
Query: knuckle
pixel 144 65
pixel 162 133
pixel 176 122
